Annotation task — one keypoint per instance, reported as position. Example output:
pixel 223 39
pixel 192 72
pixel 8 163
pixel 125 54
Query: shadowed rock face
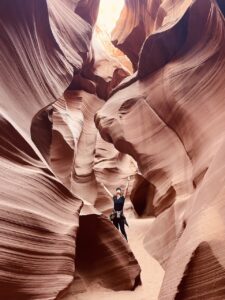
pixel 221 6
pixel 141 196
pixel 95 245
pixel 88 10
pixel 204 276
pixel 136 22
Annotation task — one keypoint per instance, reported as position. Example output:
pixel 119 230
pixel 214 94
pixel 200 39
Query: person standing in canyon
pixel 117 216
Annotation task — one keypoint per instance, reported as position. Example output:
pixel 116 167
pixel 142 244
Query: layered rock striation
pixel 72 116
pixel 44 134
pixel 170 118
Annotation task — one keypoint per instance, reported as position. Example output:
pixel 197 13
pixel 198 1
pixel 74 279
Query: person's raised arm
pixel 126 188
pixel 105 188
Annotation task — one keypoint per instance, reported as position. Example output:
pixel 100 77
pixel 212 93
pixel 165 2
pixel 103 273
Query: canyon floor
pixel 151 275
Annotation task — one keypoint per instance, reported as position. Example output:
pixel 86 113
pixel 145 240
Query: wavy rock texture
pixel 98 262
pixel 83 178
pixel 179 93
pixel 164 126
pixel 104 70
pixel 104 38
pixel 142 195
pixel 88 10
pixel 39 216
pixel 200 262
pixel 74 142
pixel 87 158
pixel 100 251
pixel 39 220
pixel 101 72
pixel 26 32
pixel 111 168
pixel 42 45
pixel 136 22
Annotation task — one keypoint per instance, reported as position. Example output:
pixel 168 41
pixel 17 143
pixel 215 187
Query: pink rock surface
pixel 72 117
pixel 104 70
pixel 39 221
pixel 42 45
pixel 170 118
pixel 136 22
pixel 198 257
pixel 39 216
pixel 97 255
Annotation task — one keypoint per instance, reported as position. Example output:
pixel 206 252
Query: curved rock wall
pixel 170 118
pixel 71 117
pixel 43 43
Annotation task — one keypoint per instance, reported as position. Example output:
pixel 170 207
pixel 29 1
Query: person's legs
pixel 122 228
pixel 115 222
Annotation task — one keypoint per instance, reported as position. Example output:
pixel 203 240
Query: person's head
pixel 118 191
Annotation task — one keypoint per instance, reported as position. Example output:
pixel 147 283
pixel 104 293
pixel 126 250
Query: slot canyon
pixel 97 95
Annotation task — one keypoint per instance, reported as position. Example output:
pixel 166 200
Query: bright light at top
pixel 109 12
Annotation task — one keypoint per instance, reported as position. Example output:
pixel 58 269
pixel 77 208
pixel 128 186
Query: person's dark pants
pixel 119 222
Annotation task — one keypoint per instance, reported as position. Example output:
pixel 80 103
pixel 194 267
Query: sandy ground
pixel 152 273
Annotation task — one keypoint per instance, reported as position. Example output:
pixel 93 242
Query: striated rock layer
pixel 170 118
pixel 39 221
pixel 136 22
pixel 71 117
pixel 98 263
pixel 39 216
pixel 43 43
